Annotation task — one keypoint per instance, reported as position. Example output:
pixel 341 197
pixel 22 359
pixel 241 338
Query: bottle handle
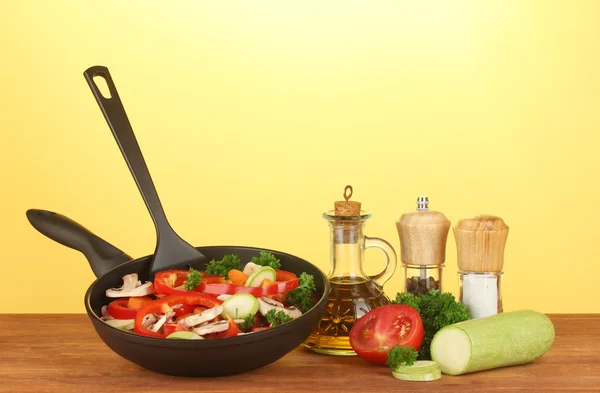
pixel 391 259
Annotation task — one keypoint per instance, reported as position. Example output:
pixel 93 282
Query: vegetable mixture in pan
pixel 222 301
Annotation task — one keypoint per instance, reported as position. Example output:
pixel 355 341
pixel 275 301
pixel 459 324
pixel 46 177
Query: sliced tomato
pixel 376 332
pixel 119 309
pixel 164 305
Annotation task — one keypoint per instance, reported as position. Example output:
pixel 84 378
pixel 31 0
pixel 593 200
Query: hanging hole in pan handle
pixel 100 81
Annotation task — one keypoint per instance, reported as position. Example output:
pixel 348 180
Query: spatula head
pixel 176 253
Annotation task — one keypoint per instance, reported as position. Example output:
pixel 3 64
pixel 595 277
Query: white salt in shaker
pixel 480 243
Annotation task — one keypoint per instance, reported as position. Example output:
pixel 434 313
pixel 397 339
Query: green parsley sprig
pixel 437 310
pixel 300 296
pixel 265 258
pixel 401 356
pixel 222 267
pixel 193 280
pixel 276 318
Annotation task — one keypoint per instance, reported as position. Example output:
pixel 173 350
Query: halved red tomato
pixel 376 332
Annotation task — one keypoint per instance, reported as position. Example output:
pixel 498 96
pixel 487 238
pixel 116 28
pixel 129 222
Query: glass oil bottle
pixel 353 293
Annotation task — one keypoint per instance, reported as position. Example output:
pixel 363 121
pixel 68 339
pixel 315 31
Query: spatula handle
pixel 117 120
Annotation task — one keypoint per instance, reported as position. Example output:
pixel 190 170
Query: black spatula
pixel 172 252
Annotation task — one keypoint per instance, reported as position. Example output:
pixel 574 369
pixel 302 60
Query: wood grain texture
pixel 480 243
pixel 61 353
pixel 423 237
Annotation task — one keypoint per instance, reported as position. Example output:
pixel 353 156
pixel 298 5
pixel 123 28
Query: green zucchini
pixel 419 367
pixel 123 324
pixel 184 335
pixel 259 275
pixel 505 339
pixel 240 306
pixel 429 376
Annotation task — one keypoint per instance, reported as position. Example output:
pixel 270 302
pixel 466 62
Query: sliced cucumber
pixel 123 324
pixel 431 376
pixel 240 306
pixel 259 275
pixel 419 367
pixel 184 336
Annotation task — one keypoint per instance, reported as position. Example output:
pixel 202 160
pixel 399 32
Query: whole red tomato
pixel 373 335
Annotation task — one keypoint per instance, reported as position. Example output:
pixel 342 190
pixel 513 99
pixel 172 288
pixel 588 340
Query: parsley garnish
pixel 300 296
pixel 248 323
pixel 193 280
pixel 277 318
pixel 437 310
pixel 265 258
pixel 222 267
pixel 401 356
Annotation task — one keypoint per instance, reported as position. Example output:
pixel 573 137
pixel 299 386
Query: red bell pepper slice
pixel 118 309
pixel 286 281
pixel 184 309
pixel 162 306
pixel 167 281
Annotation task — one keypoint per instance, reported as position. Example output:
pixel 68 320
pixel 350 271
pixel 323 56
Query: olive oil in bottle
pixel 350 299
pixel 353 293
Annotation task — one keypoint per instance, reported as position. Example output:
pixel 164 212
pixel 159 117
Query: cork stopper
pixel 480 243
pixel 347 208
pixel 423 235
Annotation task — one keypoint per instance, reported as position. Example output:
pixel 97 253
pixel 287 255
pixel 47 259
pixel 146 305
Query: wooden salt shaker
pixel 423 235
pixel 480 243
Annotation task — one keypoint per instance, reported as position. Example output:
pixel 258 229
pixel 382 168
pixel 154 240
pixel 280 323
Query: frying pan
pixel 202 358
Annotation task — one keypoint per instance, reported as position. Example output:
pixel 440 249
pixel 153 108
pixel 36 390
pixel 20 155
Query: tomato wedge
pixel 119 309
pixel 375 333
pixel 164 305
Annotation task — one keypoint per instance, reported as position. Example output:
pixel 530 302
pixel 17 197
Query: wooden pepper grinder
pixel 480 243
pixel 423 235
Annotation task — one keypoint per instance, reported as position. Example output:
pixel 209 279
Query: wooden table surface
pixel 62 353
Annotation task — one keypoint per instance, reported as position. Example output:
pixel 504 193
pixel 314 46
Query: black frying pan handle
pixel 117 120
pixel 101 255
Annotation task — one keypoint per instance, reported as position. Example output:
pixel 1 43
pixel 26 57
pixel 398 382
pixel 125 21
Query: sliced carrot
pixel 237 277
pixel 137 302
pixel 266 282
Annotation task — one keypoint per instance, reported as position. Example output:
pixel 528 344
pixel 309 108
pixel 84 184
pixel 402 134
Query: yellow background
pixel 254 115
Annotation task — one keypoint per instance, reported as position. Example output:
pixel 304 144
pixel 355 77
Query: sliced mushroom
pixel 250 268
pixel 105 315
pixel 162 321
pixel 266 304
pixel 131 287
pixel 204 316
pixel 214 327
pixel 149 320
